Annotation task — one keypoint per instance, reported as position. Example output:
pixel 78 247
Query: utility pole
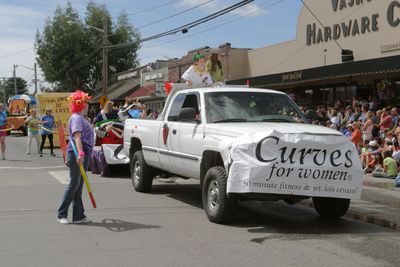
pixel 105 58
pixel 15 80
pixel 35 69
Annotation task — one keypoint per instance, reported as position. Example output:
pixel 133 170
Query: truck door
pixel 165 134
pixel 187 139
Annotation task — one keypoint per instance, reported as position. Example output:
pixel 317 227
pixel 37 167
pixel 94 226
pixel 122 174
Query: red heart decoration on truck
pixel 165 133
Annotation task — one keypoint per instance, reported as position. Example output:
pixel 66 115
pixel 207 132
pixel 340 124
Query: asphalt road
pixel 167 227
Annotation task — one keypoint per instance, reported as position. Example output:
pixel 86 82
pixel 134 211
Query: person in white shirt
pixel 197 73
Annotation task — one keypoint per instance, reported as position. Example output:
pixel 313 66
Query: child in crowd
pixel 389 167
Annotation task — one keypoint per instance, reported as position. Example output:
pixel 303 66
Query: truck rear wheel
pixel 218 206
pixel 141 173
pixel 331 208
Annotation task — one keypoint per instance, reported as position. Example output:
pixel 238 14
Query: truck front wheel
pixel 141 173
pixel 218 206
pixel 331 208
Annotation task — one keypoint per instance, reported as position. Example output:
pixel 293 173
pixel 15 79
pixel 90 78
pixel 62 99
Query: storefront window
pixel 340 93
pixel 351 91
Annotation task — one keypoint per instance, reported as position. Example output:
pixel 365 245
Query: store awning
pixel 377 67
pixel 144 92
pixel 119 90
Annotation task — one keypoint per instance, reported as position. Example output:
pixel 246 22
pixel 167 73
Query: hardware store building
pixel 312 67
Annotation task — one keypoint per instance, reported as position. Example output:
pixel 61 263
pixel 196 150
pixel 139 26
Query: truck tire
pixel 331 208
pixel 218 206
pixel 141 173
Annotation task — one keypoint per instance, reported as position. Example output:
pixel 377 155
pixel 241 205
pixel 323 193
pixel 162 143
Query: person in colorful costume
pixel 105 123
pixel 81 133
pixel 214 67
pixel 197 73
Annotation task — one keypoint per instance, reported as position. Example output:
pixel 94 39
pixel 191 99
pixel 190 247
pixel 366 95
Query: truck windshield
pixel 251 107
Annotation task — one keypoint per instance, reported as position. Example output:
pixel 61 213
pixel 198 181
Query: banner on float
pixel 295 164
pixel 59 104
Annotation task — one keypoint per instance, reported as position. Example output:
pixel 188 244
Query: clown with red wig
pixel 81 133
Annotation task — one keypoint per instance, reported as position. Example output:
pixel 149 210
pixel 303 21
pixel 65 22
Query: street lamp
pixel 105 57
pixel 15 76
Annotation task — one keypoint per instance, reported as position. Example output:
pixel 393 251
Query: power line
pixel 199 21
pixel 176 14
pixel 15 53
pixel 86 60
pixel 152 8
pixel 184 28
pixel 312 13
pixel 168 17
pixel 267 3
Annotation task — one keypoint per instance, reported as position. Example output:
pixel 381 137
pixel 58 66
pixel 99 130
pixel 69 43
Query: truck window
pixel 251 107
pixel 183 101
pixel 176 107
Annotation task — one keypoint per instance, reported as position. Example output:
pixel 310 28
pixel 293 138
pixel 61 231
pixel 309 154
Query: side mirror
pixel 188 114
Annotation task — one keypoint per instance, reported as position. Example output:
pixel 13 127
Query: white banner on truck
pixel 295 164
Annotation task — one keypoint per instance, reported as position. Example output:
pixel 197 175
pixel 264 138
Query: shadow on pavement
pixel 116 225
pixel 118 171
pixel 187 193
pixel 282 221
pixel 270 217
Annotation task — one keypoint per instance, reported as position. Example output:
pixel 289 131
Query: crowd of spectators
pixel 372 127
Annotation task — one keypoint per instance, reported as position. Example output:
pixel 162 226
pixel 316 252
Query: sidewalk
pixel 379 203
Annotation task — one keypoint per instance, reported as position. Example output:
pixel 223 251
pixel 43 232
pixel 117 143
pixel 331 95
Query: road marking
pixel 32 168
pixel 61 176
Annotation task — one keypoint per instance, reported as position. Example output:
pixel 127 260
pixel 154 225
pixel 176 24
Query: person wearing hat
pixel 214 66
pixel 81 133
pixel 137 111
pixel 197 73
pixel 48 124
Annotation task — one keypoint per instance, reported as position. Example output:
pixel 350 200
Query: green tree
pixel 70 53
pixel 21 87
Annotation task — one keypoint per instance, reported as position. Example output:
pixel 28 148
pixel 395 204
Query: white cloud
pixel 249 10
pixel 14 20
pixel 13 11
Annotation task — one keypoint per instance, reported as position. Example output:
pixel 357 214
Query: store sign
pixel 127 75
pixel 390 47
pixel 316 34
pixel 292 76
pixel 153 76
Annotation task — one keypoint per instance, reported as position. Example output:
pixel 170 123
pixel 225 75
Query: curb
pixel 373 218
pixel 379 182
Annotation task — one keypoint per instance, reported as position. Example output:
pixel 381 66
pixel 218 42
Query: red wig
pixel 78 101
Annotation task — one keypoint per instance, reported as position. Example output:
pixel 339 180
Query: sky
pixel 258 24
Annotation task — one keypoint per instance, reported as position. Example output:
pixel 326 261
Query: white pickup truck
pixel 244 143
